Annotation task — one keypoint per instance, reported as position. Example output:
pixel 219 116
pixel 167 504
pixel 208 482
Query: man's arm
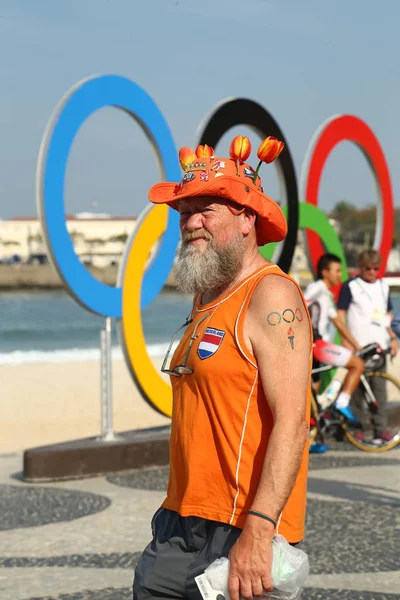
pixel 394 344
pixel 278 333
pixel 343 304
pixel 341 315
pixel 345 334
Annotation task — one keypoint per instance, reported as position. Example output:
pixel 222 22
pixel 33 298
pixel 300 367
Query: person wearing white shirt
pixel 365 301
pixel 321 306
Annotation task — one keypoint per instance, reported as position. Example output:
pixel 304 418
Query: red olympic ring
pixel 298 314
pixel 335 130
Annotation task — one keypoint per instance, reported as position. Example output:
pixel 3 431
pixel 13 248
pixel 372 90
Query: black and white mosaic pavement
pixel 355 537
pixel 113 560
pixel 342 537
pixel 105 594
pixel 308 594
pixel 22 506
pixel 335 461
pixel 352 528
pixel 142 479
pixel 157 478
pixel 322 594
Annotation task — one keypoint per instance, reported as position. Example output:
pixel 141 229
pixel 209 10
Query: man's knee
pixel 356 365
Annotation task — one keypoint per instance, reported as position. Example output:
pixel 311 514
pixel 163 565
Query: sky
pixel 303 61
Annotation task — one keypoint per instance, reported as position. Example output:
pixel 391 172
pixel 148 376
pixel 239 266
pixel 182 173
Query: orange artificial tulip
pixel 186 157
pixel 270 149
pixel 204 151
pixel 240 149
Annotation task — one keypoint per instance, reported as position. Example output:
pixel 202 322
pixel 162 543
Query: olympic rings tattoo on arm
pixel 289 315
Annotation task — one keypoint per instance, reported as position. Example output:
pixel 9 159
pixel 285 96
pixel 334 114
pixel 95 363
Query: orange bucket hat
pixel 231 179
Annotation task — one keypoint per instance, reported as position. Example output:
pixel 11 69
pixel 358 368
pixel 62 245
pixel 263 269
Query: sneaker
pixel 347 414
pixel 385 435
pixel 317 448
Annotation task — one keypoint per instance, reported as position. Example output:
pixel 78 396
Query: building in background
pixel 99 239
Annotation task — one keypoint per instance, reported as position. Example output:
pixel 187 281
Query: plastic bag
pixel 290 566
pixel 290 569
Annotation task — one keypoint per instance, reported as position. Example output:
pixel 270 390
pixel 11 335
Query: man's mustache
pixel 195 235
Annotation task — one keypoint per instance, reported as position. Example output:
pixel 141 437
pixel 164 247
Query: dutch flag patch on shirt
pixel 210 342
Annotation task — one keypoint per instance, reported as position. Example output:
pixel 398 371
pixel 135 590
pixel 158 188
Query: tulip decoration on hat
pixel 204 151
pixel 268 151
pixel 231 179
pixel 240 151
pixel 186 157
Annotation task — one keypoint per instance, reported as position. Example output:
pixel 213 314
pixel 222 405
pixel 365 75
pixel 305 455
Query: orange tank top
pixel 221 420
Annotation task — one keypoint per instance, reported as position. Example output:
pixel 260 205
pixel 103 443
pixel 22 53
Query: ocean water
pixel 51 327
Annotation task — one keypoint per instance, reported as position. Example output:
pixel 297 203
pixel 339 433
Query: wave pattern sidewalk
pixel 80 540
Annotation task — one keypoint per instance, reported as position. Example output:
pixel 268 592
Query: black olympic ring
pixel 274 324
pixel 242 111
pixel 285 311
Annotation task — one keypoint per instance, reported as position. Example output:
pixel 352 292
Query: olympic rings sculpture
pixel 140 281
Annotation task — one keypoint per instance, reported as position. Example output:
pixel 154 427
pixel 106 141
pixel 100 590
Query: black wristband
pixel 262 516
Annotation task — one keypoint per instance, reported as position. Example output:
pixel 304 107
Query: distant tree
pixel 357 227
pixel 367 218
pixel 396 226
pixel 76 235
pixel 347 217
pixel 122 237
pixel 95 241
pixel 35 237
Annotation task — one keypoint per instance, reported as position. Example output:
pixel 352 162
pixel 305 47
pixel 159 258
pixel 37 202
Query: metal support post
pixel 107 433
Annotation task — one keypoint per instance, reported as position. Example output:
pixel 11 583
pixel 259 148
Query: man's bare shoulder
pixel 276 302
pixel 277 319
pixel 276 289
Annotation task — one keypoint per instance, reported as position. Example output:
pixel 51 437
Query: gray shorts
pixel 181 549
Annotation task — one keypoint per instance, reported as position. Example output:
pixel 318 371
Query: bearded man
pixel 241 386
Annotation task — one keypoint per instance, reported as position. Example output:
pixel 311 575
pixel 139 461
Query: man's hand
pixel 394 347
pixel 251 560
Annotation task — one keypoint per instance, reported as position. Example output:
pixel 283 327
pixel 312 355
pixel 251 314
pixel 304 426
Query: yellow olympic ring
pixel 154 389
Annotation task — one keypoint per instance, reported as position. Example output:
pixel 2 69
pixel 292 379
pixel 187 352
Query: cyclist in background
pixel 365 301
pixel 321 306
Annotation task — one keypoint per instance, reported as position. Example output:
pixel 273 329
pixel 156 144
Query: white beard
pixel 212 269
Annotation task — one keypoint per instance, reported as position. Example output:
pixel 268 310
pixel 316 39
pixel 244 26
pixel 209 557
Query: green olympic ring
pixel 311 217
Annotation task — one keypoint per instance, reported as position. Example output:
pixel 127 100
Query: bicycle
pixel 327 421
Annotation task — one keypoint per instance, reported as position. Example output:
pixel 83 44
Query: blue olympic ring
pixel 79 103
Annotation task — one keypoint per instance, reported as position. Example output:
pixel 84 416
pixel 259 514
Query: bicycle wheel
pixel 313 418
pixel 366 441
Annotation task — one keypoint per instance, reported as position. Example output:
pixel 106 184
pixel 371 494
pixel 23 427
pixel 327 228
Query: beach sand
pixel 56 402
